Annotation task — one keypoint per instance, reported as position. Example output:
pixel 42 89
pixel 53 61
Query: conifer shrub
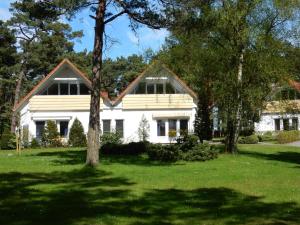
pixel 201 152
pixel 132 148
pixel 35 143
pixel 164 153
pixel 111 138
pixel 187 142
pixel 25 137
pixel 8 140
pixel 77 137
pixel 50 137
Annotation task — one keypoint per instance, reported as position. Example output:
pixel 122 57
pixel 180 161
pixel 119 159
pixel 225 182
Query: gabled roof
pixel 88 82
pixel 136 80
pixel 52 73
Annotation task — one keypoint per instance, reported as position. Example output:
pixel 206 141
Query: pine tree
pixel 77 137
pixel 143 130
pixel 50 137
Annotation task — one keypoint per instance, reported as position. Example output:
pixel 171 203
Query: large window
pixel 286 125
pixel 155 88
pixel 63 128
pixel 141 88
pixel 295 123
pixel 64 88
pixel 150 89
pixel 39 129
pixel 161 128
pixel 172 125
pixel 183 126
pixel 73 89
pixel 84 90
pixel 159 88
pixel 120 127
pixel 53 89
pixel 277 124
pixel 106 126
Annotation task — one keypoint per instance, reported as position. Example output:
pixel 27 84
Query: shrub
pixel 111 138
pixel 77 137
pixel 8 140
pixel 132 148
pixel 187 142
pixel 288 136
pixel 252 139
pixel 164 153
pixel 34 143
pixel 50 137
pixel 267 136
pixel 201 152
pixel 143 130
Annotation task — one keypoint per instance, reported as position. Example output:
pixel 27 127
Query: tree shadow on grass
pixel 92 196
pixel 289 157
pixel 72 157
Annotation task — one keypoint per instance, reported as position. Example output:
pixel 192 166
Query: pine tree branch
pixel 114 16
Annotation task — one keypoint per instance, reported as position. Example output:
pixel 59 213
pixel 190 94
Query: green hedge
pixel 201 152
pixel 164 153
pixel 252 139
pixel 288 136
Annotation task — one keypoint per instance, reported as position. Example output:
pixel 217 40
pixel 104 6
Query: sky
pixel 125 42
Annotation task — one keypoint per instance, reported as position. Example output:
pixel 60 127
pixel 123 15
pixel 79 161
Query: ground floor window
pixel 286 125
pixel 63 128
pixel 106 126
pixel 277 124
pixel 120 127
pixel 183 126
pixel 295 123
pixel 161 128
pixel 39 129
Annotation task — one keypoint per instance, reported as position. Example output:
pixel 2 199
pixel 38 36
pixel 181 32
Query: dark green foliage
pixel 25 137
pixel 201 152
pixel 132 148
pixel 164 153
pixel 50 137
pixel 8 140
pixel 252 139
pixel 288 136
pixel 77 137
pixel 187 142
pixel 35 143
pixel 266 137
pixel 111 138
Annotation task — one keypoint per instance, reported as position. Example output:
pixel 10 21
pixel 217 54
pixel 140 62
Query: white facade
pixel 32 114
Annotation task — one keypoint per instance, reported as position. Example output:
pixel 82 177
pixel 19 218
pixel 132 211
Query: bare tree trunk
pixel 93 144
pixel 234 123
pixel 14 118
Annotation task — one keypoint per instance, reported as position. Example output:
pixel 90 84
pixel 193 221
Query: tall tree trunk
pixel 93 144
pixel 14 118
pixel 234 123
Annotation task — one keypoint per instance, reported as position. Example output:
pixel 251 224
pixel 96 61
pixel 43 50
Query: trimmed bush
pixel 77 137
pixel 34 143
pixel 132 148
pixel 288 136
pixel 252 139
pixel 111 138
pixel 164 153
pixel 201 152
pixel 8 140
pixel 267 136
pixel 187 142
pixel 50 136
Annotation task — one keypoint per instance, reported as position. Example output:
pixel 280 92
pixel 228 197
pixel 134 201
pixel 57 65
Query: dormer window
pixel 155 87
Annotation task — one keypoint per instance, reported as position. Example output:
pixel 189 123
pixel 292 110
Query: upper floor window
pixel 155 88
pixel 59 88
pixel 287 94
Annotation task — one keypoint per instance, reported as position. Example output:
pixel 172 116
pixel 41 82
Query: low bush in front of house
pixel 8 140
pixel 252 139
pixel 266 137
pixel 110 138
pixel 164 153
pixel 201 152
pixel 132 148
pixel 187 142
pixel 50 137
pixel 35 143
pixel 288 136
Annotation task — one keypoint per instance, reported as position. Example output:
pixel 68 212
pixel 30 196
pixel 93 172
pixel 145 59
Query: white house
pixel 63 95
pixel 283 112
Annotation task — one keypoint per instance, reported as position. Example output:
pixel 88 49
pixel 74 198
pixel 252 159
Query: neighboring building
pixel 283 112
pixel 63 95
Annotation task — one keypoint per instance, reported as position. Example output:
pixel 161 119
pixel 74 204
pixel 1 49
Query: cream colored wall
pixel 157 101
pixel 60 102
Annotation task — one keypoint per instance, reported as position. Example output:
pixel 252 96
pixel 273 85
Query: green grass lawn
pixel 260 185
